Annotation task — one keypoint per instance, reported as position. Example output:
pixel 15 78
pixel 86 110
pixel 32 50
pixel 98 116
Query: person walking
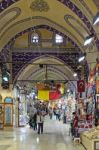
pixel 64 116
pixel 50 113
pixel 75 125
pixel 40 122
pixel 35 121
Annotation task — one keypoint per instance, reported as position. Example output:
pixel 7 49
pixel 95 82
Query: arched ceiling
pixel 70 18
pixel 17 16
pixel 54 66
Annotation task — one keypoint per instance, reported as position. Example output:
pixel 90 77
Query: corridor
pixel 55 137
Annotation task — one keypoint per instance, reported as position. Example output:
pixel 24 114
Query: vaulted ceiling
pixel 73 19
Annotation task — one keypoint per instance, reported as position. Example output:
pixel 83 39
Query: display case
pixel 90 139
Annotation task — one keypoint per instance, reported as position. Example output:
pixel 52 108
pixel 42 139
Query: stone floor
pixel 55 137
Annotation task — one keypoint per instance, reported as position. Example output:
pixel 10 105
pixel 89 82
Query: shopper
pixel 50 112
pixel 64 116
pixel 35 121
pixel 75 125
pixel 40 122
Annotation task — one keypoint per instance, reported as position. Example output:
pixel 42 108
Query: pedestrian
pixel 64 116
pixel 50 113
pixel 40 122
pixel 75 124
pixel 35 121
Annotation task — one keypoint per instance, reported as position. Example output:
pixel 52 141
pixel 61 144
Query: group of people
pixel 58 113
pixel 38 113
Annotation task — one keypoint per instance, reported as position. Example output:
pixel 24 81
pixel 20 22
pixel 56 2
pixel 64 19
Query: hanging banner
pixel 81 86
pixel 43 95
pixel 54 95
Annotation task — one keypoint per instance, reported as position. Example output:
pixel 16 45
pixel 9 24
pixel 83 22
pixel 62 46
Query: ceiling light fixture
pixel 89 39
pixel 75 74
pixel 96 19
pixel 5 79
pixel 68 90
pixel 81 58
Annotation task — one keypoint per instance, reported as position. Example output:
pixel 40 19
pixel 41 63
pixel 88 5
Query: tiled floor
pixel 55 137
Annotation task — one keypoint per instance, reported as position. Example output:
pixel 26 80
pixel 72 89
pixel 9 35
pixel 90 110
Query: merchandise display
pixel 90 138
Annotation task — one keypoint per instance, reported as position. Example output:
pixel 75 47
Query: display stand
pixel 8 112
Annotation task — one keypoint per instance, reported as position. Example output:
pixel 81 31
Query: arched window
pixel 34 38
pixel 58 39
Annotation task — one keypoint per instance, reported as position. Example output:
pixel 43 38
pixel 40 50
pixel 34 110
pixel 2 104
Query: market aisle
pixel 55 137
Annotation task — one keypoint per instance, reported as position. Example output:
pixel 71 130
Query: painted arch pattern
pixel 6 3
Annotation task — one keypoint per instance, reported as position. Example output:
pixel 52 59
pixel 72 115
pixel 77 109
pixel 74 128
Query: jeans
pixel 40 128
pixel 35 126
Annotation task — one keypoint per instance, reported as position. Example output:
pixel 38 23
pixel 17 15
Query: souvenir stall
pixel 20 107
pixel 22 110
pixel 90 138
pixel 85 107
pixel 70 105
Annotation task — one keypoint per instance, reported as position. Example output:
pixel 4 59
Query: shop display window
pixel 8 111
pixel 21 113
pixel 8 100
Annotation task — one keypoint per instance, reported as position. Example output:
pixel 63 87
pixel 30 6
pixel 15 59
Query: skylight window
pixel 34 38
pixel 58 39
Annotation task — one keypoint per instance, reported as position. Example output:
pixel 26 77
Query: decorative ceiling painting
pixel 70 19
pixel 9 16
pixel 76 25
pixel 75 8
pixel 77 11
pixel 25 58
pixel 39 5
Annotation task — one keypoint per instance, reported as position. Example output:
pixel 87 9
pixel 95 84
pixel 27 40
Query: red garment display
pixel 81 86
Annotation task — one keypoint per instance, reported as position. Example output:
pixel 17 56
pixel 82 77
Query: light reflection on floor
pixel 55 137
